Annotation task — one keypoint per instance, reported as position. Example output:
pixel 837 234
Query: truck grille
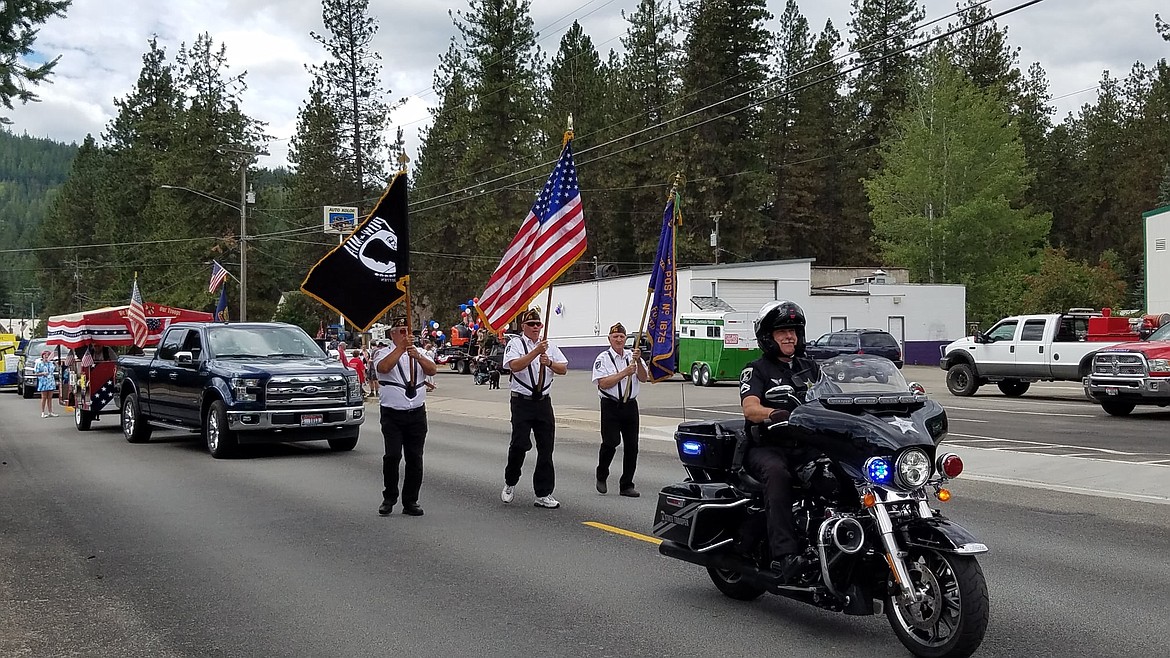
pixel 1119 364
pixel 306 391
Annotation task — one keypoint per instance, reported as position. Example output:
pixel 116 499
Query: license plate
pixel 310 419
pixel 1111 390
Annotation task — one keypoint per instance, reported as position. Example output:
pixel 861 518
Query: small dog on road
pixel 494 379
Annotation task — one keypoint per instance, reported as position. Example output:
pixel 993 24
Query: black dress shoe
pixel 412 510
pixel 601 487
pixel 789 567
pixel 385 508
pixel 630 492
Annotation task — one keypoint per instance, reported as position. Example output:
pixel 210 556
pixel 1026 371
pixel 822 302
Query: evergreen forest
pixel 889 141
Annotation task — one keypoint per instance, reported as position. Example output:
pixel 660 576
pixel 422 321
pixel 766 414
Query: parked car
pixel 1126 375
pixel 856 341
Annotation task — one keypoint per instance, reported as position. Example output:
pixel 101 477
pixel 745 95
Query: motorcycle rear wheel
pixel 734 585
pixel 952 619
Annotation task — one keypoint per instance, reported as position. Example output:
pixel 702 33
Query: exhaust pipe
pixel 680 552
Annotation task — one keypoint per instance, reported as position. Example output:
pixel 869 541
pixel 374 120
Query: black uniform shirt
pixel 764 373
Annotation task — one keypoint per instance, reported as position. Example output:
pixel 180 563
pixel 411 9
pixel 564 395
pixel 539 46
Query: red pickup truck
pixel 1126 375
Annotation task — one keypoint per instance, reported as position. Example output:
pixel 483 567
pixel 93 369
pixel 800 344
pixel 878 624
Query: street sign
pixel 340 220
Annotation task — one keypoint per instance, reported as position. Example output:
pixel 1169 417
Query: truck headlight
pixel 245 389
pixel 1159 365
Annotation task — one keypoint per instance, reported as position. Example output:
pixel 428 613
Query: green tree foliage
pixel 1062 283
pixel 350 82
pixel 725 51
pixel 947 202
pixel 307 313
pixel 882 30
pixel 18 21
pixel 983 52
pixel 66 223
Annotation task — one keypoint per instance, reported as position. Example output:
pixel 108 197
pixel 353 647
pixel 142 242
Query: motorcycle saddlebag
pixel 708 444
pixel 698 515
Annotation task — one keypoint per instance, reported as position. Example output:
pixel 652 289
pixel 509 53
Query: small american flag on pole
pixel 136 314
pixel 551 238
pixel 218 274
pixel 87 359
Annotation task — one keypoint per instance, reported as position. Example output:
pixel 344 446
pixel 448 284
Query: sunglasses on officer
pixel 534 323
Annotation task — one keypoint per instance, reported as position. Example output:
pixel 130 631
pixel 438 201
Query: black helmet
pixel 779 315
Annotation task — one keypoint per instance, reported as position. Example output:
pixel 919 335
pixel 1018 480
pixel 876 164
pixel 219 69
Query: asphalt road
pixel 113 549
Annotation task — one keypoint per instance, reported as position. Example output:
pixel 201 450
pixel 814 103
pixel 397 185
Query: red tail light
pixel 950 465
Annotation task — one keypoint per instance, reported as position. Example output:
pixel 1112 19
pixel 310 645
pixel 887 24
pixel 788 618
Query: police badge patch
pixel 744 378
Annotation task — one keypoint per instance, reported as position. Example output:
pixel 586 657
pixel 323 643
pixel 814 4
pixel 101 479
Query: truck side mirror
pixel 978 337
pixel 185 359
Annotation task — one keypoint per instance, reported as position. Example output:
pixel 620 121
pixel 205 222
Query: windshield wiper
pixel 236 356
pixel 289 354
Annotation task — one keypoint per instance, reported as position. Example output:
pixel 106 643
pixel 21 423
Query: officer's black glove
pixel 778 416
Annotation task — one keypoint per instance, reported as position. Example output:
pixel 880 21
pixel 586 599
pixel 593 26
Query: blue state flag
pixel 663 286
pixel 221 312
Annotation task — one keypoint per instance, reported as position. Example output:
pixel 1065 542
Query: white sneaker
pixel 508 494
pixel 54 415
pixel 44 415
pixel 546 501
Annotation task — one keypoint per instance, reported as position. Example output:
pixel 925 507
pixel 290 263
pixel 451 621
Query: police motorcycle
pixel 872 542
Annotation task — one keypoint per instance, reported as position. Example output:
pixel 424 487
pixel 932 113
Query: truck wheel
pixel 455 366
pixel 695 374
pixel 466 368
pixel 221 441
pixel 705 375
pixel 1117 407
pixel 134 426
pixel 961 380
pixel 82 419
pixel 343 444
pixel 1013 388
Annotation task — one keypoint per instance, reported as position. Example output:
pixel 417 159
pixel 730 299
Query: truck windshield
pixel 1162 333
pixel 227 342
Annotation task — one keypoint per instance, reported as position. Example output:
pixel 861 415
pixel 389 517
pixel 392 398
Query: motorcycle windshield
pixel 858 373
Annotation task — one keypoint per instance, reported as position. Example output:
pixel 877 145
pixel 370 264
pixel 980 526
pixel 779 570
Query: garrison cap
pixel 617 328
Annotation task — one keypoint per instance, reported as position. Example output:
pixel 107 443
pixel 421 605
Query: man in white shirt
pixel 618 375
pixel 533 363
pixel 402 370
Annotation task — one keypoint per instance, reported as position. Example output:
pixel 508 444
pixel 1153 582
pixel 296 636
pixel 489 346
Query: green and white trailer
pixel 715 346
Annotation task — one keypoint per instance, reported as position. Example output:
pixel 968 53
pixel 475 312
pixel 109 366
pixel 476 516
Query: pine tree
pixel 726 47
pixel 351 83
pixel 882 29
pixel 947 202
pixel 983 53
pixel 17 21
pixel 68 223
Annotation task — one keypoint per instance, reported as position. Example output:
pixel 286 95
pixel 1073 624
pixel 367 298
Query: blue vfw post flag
pixel 221 312
pixel 663 285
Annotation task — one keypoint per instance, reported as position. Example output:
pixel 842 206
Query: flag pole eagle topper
pixel 369 272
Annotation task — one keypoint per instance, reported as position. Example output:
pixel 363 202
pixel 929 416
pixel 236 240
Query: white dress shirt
pixel 609 363
pixel 524 382
pixel 392 391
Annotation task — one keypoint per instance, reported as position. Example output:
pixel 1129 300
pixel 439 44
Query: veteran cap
pixel 398 322
pixel 531 315
pixel 617 328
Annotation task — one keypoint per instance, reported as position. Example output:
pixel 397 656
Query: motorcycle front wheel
pixel 734 585
pixel 952 617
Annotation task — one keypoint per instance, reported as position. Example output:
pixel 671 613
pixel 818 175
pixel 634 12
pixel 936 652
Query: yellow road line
pixel 622 531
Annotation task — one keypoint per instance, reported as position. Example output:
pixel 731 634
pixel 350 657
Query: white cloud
pixel 102 43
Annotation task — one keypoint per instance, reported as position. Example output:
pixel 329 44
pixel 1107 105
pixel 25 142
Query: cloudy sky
pixel 101 43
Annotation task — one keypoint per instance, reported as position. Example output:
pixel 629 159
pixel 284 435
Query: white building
pixel 922 317
pixel 1157 230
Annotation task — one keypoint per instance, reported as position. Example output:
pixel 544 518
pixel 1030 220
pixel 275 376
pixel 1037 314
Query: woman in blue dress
pixel 45 370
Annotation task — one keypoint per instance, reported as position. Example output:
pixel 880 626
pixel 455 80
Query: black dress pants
pixel 532 418
pixel 404 433
pixel 769 465
pixel 619 424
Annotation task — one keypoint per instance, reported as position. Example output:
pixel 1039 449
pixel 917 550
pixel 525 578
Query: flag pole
pixel 402 169
pixel 568 137
pixel 676 181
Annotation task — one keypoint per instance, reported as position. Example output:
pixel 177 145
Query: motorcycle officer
pixel 780 334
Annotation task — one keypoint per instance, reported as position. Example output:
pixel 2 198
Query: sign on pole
pixel 340 220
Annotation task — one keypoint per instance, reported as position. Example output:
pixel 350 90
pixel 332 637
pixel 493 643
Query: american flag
pixel 87 359
pixel 551 238
pixel 218 274
pixel 139 329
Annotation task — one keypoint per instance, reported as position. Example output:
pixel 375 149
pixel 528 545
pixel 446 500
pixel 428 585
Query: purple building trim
pixel 916 353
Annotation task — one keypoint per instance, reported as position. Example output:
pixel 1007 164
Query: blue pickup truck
pixel 240 383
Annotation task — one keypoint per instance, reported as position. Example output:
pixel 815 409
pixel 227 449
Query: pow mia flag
pixel 369 272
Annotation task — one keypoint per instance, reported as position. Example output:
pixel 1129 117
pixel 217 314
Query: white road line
pixel 1040 454
pixel 968 420
pixel 1041 444
pixel 1047 403
pixel 1078 490
pixel 1024 413
pixel 716 411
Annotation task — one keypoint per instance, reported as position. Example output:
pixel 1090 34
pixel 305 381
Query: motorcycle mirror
pixel 915 387
pixel 779 393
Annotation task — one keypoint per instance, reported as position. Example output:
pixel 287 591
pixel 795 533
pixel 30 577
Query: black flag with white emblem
pixel 369 272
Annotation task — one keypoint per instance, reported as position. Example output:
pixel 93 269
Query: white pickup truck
pixel 1020 350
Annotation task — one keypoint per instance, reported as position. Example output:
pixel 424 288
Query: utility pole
pixel 715 235
pixel 245 196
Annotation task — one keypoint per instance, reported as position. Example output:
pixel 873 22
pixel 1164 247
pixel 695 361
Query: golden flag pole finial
pixel 403 159
pixel 568 131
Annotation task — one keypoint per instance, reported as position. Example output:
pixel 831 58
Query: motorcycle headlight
pixel 246 389
pixel 912 469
